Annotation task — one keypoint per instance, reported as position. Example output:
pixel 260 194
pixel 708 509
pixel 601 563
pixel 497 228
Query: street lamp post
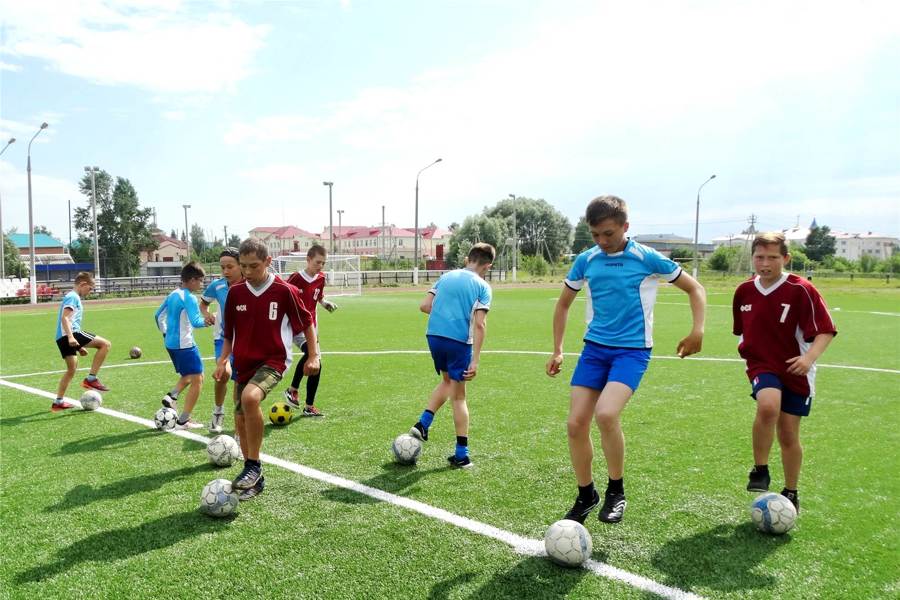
pixel 33 274
pixel 340 228
pixel 93 172
pixel 416 226
pixel 187 234
pixel 697 228
pixel 3 235
pixel 515 238
pixel 330 184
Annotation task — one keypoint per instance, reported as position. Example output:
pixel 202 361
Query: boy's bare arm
pixel 427 303
pixel 478 334
pixel 560 315
pixel 693 343
pixel 800 365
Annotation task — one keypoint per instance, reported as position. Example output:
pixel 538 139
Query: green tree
pixel 540 228
pixel 867 263
pixel 582 240
pixel 799 259
pixel 536 265
pixel 42 229
pixel 13 266
pixel 820 243
pixel 681 253
pixel 724 258
pixel 477 228
pixel 198 240
pixel 234 240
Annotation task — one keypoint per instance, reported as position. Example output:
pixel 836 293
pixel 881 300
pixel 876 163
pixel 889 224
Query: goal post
pixel 342 274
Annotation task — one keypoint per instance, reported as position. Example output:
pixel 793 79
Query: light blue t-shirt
pixel 457 295
pixel 71 300
pixel 622 291
pixel 177 316
pixel 217 291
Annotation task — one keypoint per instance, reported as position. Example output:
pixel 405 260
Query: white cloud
pixel 4 66
pixel 50 196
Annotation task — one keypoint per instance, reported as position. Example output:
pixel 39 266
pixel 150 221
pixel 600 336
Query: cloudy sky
pixel 242 109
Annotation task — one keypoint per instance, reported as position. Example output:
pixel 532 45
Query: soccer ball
pixel 218 499
pixel 91 400
pixel 406 449
pixel 568 543
pixel 165 419
pixel 135 352
pixel 773 513
pixel 280 414
pixel 222 450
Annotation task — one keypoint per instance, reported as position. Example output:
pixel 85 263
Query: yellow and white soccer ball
pixel 568 543
pixel 91 400
pixel 218 499
pixel 773 513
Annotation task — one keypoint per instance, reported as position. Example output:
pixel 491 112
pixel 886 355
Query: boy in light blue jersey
pixel 217 291
pixel 621 276
pixel 176 318
pixel 457 306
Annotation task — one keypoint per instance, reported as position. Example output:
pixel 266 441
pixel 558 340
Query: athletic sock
pixel 58 400
pixel 586 492
pixel 91 377
pixel 616 486
pixel 426 418
pixel 173 394
pixel 462 446
pixel 218 410
pixel 184 417
pixel 761 468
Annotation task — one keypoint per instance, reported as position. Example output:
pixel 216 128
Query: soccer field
pixel 95 505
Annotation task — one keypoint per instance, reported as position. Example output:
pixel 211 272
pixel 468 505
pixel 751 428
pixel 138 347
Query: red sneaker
pixel 58 406
pixel 94 385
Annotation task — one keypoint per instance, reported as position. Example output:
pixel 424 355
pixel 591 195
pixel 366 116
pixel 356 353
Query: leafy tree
pixel 42 229
pixel 198 239
pixel 477 228
pixel 13 266
pixel 799 259
pixel 681 253
pixel 867 263
pixel 583 239
pixel 819 243
pixel 234 240
pixel 540 228
pixel 724 258
pixel 536 265
pixel 173 235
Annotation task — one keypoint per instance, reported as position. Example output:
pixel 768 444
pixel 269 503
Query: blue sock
pixel 92 377
pixel 462 446
pixel 426 419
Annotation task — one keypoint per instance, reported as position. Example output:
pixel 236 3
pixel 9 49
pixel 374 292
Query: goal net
pixel 342 274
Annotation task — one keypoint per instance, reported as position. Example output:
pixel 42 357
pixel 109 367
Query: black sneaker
pixel 580 510
pixel 247 478
pixel 613 508
pixel 759 481
pixel 793 497
pixel 255 491
pixel 419 432
pixel 460 463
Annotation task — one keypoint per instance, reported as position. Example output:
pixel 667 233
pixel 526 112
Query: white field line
pixel 519 544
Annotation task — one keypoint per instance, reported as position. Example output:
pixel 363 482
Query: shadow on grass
pixel 23 419
pixel 105 442
pixel 119 544
pixel 82 495
pixel 724 558
pixel 395 480
pixel 533 577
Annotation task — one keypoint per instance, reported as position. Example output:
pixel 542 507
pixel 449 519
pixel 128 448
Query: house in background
pixel 285 240
pixel 52 260
pixel 166 259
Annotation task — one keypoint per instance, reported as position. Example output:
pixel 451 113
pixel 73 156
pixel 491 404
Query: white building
pixel 285 240
pixel 854 246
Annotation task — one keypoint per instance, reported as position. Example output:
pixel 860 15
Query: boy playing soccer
pixel 217 291
pixel 311 283
pixel 176 318
pixel 784 327
pixel 457 306
pixel 262 314
pixel 621 276
pixel 72 341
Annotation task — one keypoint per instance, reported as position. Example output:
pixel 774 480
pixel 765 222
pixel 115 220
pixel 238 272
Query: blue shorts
pixel 218 345
pixel 599 364
pixel 450 356
pixel 186 360
pixel 791 402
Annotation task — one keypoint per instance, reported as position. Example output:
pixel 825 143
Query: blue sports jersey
pixel 622 291
pixel 457 295
pixel 71 300
pixel 177 316
pixel 217 291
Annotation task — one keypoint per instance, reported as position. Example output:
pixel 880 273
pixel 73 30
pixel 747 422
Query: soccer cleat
pixel 291 398
pixel 580 510
pixel 311 411
pixel 215 425
pixel 758 481
pixel 419 432
pixel 253 492
pixel 58 406
pixel 460 463
pixel 793 497
pixel 94 385
pixel 613 508
pixel 247 478
pixel 169 402
pixel 189 424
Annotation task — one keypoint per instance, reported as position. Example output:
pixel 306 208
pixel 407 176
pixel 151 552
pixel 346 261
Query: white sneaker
pixel 169 402
pixel 191 424
pixel 215 426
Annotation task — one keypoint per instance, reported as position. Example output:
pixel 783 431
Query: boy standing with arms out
pixel 72 341
pixel 262 314
pixel 784 327
pixel 457 306
pixel 217 291
pixel 176 318
pixel 311 283
pixel 621 276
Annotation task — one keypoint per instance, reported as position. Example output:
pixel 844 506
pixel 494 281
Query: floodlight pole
pixel 330 185
pixel 93 172
pixel 340 227
pixel 697 228
pixel 416 227
pixel 2 234
pixel 515 238
pixel 32 275
pixel 187 234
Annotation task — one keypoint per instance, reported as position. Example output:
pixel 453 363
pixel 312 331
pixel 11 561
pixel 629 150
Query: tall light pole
pixel 330 184
pixel 515 237
pixel 93 171
pixel 697 227
pixel 340 228
pixel 33 274
pixel 416 226
pixel 187 233
pixel 3 235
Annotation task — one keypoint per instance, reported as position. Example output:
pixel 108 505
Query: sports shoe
pixel 247 478
pixel 460 463
pixel 255 491
pixel 613 508
pixel 793 497
pixel 311 411
pixel 419 432
pixel 759 481
pixel 58 406
pixel 291 398
pixel 169 402
pixel 94 385
pixel 580 510
pixel 215 425
pixel 189 424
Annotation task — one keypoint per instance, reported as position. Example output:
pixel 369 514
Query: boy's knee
pixel 606 419
pixel 578 426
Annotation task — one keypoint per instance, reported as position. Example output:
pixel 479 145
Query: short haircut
pixel 192 270
pixel 482 254
pixel 254 246
pixel 770 238
pixel 316 249
pixel 84 277
pixel 230 252
pixel 606 207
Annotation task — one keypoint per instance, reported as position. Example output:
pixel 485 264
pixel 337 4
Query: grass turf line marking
pixel 519 544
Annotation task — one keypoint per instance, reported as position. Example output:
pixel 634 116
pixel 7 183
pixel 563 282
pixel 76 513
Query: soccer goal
pixel 343 276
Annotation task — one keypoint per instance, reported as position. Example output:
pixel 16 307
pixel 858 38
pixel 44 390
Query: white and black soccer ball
pixel 773 513
pixel 223 450
pixel 218 499
pixel 406 449
pixel 568 543
pixel 165 419
pixel 91 400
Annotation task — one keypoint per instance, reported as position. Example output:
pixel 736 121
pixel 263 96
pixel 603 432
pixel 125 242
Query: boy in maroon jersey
pixel 262 314
pixel 784 327
pixel 311 283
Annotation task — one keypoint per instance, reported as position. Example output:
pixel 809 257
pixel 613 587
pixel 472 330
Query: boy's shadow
pixel 395 480
pixel 105 442
pixel 23 419
pixel 722 558
pixel 532 577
